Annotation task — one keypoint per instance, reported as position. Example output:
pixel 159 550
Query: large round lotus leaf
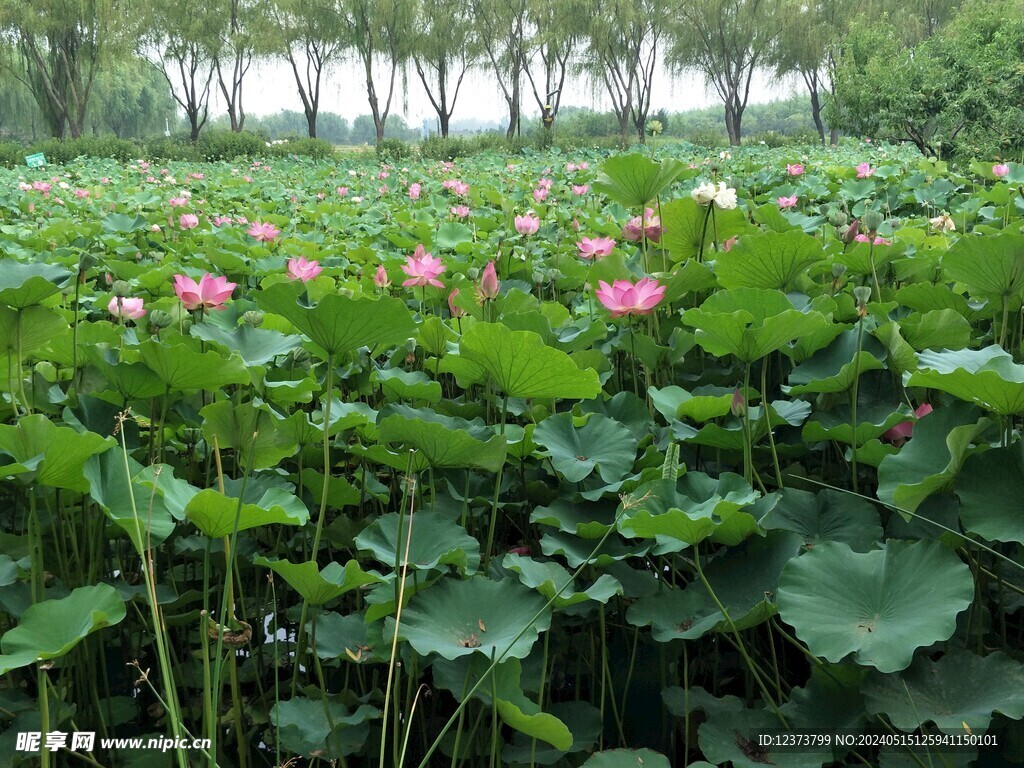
pixel 33 327
pixel 57 455
pixel 938 329
pixel 992 267
pixel 749 323
pixel 256 346
pixel 991 490
pixel 348 638
pixel 958 692
pixel 826 516
pixel 114 485
pixel 459 618
pixel 436 541
pixel 879 606
pixel 693 509
pixel 932 458
pixel 635 180
pixel 600 444
pixel 549 577
pixel 987 377
pixel 22 285
pixel 685 234
pixel 586 520
pixel 305 724
pixel 254 432
pixel 48 630
pixel 627 758
pixel 443 441
pixel 338 323
pixel 836 367
pixel 676 614
pixel 397 384
pixel 676 403
pixel 523 366
pixel 774 260
pixel 732 737
pixel 132 381
pixel 214 513
pixel 873 421
pixel 582 719
pixel 318 586
pixel 179 367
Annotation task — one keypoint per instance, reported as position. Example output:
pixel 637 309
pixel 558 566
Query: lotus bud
pixel 121 288
pixel 738 406
pixel 873 220
pixel 862 294
pixel 838 270
pixel 253 318
pixel 473 273
pixel 347 292
pixel 298 357
pixel 851 232
pixel 191 435
pixel 538 278
pixel 158 319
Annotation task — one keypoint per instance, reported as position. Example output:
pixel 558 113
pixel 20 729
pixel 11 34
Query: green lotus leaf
pixel 957 693
pixel 676 614
pixel 256 346
pixel 114 484
pixel 33 328
pixel 56 455
pixel 548 577
pixel 826 516
pixel 407 385
pixel 451 234
pixel 731 736
pixel 830 700
pixel 730 435
pixel 992 267
pixel 773 260
pixel 674 402
pixel 926 297
pixel 337 323
pixel 635 180
pixel 600 444
pixel 214 513
pixel 694 508
pixel 436 541
pixel 987 377
pixel 348 638
pixel 179 367
pixel 627 758
pixel 582 719
pixel 750 323
pixel 442 441
pixel 577 551
pixel 684 230
pixel 991 489
pixel 586 520
pixel 22 285
pixel 320 585
pixel 938 329
pixel 305 726
pixel 132 381
pixel 873 420
pixel 51 628
pixel 253 432
pixel 932 458
pixel 523 366
pixel 879 606
pixel 460 618
pixel 834 368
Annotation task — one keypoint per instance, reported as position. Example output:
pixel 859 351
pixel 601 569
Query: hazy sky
pixel 270 87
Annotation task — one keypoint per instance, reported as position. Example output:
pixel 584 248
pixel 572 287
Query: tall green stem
pixel 327 456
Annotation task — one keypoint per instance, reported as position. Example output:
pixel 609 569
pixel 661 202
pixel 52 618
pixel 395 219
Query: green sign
pixel 38 160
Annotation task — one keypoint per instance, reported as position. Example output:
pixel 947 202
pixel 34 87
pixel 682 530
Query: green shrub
pixel 173 148
pixel 444 147
pixel 314 149
pixel 229 145
pixel 393 149
pixel 11 154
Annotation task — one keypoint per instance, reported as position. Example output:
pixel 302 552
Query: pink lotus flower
pixel 527 224
pixel 414 191
pixel 24 186
pixel 383 175
pixel 624 298
pixel 862 238
pixel 728 244
pixel 570 167
pixel 126 308
pixel 178 202
pixel 264 232
pixel 787 202
pixel 104 180
pixel 904 430
pixel 300 269
pixel 82 194
pixel 1000 169
pixel 864 170
pixel 796 169
pixel 545 183
pixel 380 277
pixel 188 221
pixel 595 247
pixel 461 188
pixel 423 269
pixel 540 195
pixel 449 184
pixel 584 165
pixel 580 189
pixel 525 550
pixel 342 191
pixel 738 404
pixel 651 226
pixel 460 211
pixel 455 310
pixel 210 292
pixel 220 221
pixel 489 285
pixel 41 186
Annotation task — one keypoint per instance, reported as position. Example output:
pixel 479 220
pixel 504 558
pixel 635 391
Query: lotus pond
pixel 588 460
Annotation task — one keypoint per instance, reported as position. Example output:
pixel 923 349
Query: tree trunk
pixel 311 122
pixel 833 136
pixel 731 127
pixel 816 114
pixel 193 121
pixel 444 120
pixel 379 125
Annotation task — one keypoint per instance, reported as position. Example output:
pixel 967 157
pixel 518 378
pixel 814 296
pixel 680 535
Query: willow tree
pixel 726 41
pixel 502 26
pixel 381 35
pixel 623 37
pixel 245 32
pixel 310 34
pixel 446 48
pixel 62 44
pixel 555 36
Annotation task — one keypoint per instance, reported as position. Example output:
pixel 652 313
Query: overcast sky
pixel 270 87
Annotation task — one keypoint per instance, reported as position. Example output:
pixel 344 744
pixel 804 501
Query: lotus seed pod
pixel 121 288
pixel 838 270
pixel 873 220
pixel 473 273
pixel 862 294
pixel 253 318
pixel 838 219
